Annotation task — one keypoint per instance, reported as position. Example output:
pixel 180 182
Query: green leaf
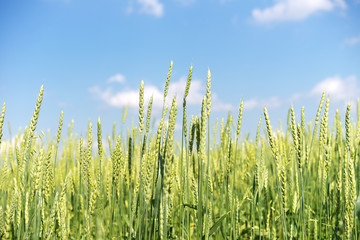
pixel 190 206
pixel 217 224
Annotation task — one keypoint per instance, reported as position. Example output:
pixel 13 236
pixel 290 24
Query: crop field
pixel 299 182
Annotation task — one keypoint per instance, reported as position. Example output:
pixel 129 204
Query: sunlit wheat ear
pixel 283 181
pixel 194 188
pixel 2 121
pixel 89 138
pixel 303 120
pixel 59 127
pixel 159 131
pixel 141 106
pixel 48 180
pixel 352 180
pixel 293 127
pixel 148 175
pixel 184 119
pixel 99 137
pixel 326 112
pixel 208 93
pixel 148 114
pixel 347 126
pixel 188 82
pixel 166 89
pixel 338 192
pixel 239 117
pixel 184 102
pixel 169 154
pixel 346 198
pixel 270 133
pixel 34 118
pixel 325 137
pixel 299 148
pixel 319 108
pixel 350 192
pixel 203 129
pixel 117 169
pixel 297 138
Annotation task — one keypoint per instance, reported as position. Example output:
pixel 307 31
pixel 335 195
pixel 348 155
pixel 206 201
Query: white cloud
pixel 117 78
pixel 352 41
pixel 130 97
pixel 151 7
pixel 294 10
pixel 338 88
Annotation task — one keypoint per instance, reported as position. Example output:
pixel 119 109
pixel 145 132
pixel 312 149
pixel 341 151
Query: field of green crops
pixel 296 183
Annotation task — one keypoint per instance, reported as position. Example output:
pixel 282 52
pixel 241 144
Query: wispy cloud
pixel 117 78
pixel 352 41
pixel 151 7
pixel 294 10
pixel 338 88
pixel 130 97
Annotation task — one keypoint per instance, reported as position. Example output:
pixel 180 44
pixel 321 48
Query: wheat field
pixel 297 183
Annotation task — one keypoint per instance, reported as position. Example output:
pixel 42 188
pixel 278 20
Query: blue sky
pixel 91 56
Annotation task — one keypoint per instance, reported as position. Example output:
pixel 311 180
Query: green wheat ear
pixel 59 127
pixel 188 82
pixel 319 108
pixel 240 118
pixel 208 93
pixel 148 115
pixel 141 106
pixel 100 147
pixel 347 126
pixel 166 89
pixel 184 101
pixel 2 121
pixel 34 118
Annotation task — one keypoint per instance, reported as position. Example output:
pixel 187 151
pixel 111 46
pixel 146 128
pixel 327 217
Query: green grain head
pixel 2 121
pixel 141 106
